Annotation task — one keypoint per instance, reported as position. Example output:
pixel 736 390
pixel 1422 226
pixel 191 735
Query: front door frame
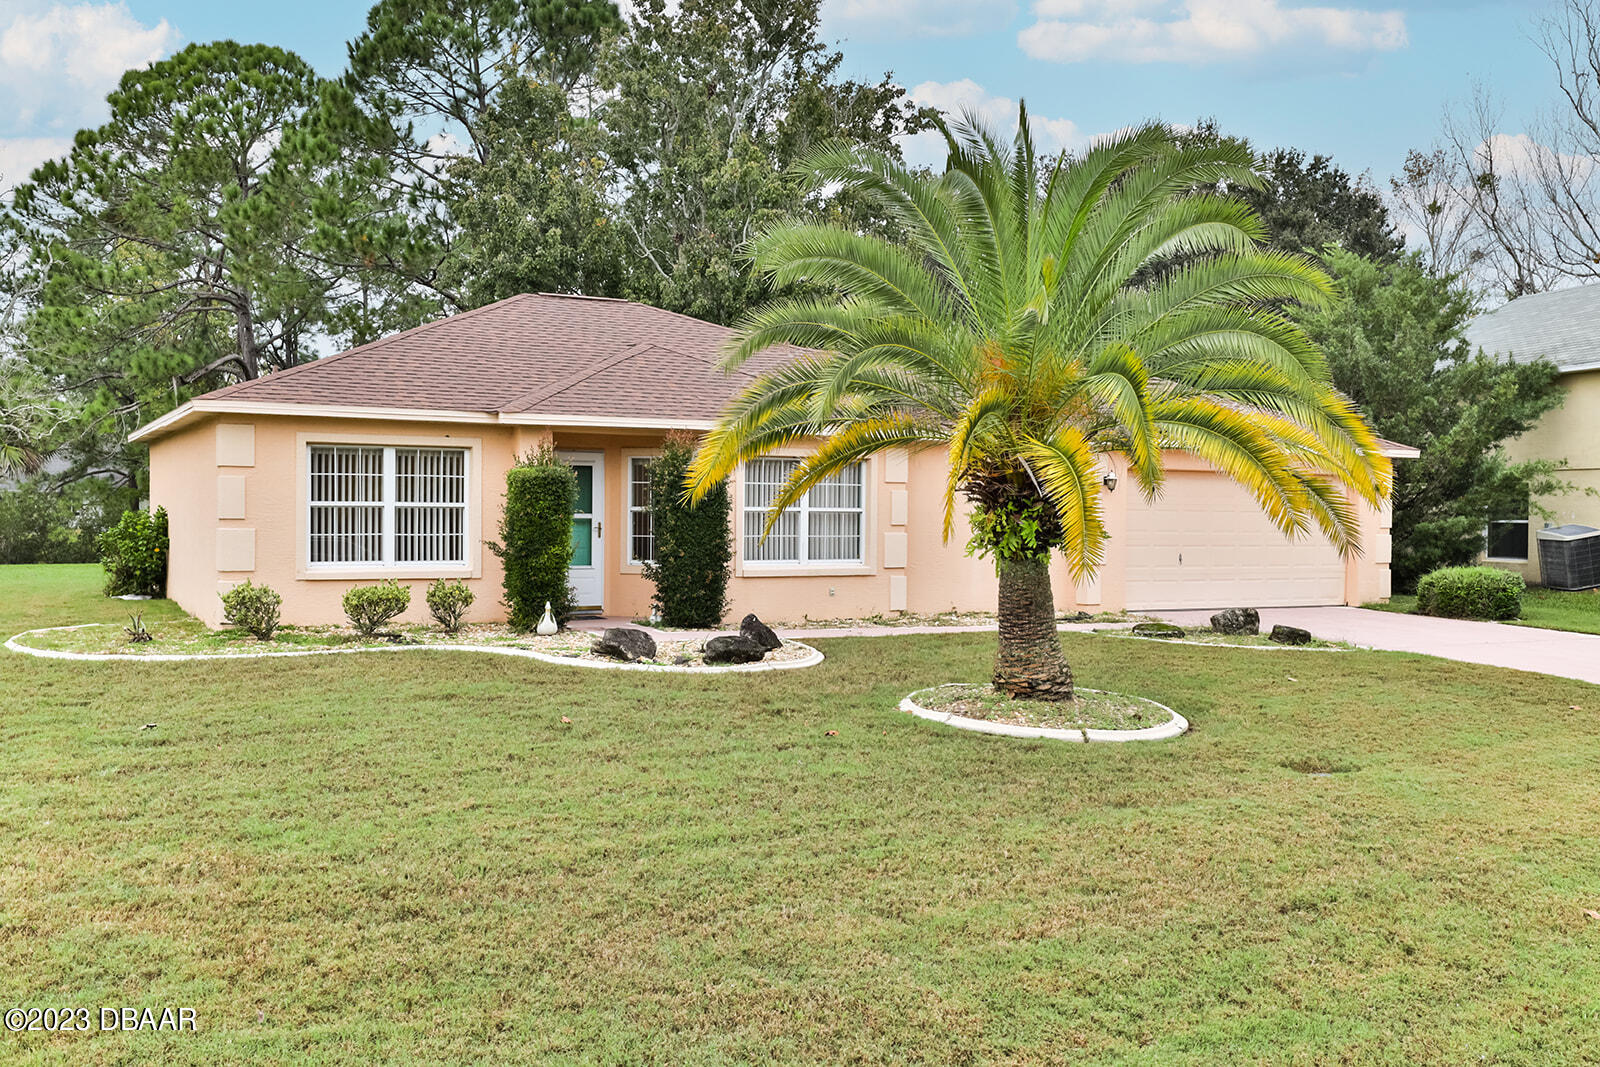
pixel 596 571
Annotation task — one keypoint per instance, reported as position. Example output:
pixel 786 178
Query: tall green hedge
pixel 536 538
pixel 134 554
pixel 694 544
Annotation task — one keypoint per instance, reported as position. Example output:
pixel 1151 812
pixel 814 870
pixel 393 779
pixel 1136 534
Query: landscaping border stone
pixel 14 644
pixel 1220 644
pixel 1177 726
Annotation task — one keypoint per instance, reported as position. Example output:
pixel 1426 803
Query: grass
pixel 1204 635
pixel 1086 711
pixel 412 859
pixel 1550 609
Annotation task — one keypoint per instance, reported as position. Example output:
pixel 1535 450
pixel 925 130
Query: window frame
pixel 866 563
pixel 1488 542
pixel 470 566
pixel 630 509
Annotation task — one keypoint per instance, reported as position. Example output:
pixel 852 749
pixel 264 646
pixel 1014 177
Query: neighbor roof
pixel 1562 326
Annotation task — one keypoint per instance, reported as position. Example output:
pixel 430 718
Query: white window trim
pixel 473 540
pixel 629 564
pixel 1524 558
pixel 867 565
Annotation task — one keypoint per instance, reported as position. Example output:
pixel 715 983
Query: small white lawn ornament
pixel 547 624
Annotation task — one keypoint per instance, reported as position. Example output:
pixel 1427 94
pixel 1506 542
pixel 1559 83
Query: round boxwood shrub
pixel 134 554
pixel 449 601
pixel 535 546
pixel 1471 593
pixel 368 607
pixel 253 609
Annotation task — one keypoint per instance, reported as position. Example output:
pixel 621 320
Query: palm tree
pixel 1034 323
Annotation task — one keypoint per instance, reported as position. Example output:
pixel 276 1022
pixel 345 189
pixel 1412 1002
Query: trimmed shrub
pixel 368 607
pixel 134 554
pixel 536 538
pixel 694 542
pixel 449 601
pixel 1471 593
pixel 253 609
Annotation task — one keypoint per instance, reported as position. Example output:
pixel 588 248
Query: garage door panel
pixel 1205 543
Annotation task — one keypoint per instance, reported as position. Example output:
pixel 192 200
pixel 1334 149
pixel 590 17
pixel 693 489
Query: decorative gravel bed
pixel 1208 636
pixel 190 637
pixel 1090 710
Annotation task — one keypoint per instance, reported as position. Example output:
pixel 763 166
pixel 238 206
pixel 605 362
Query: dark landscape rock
pixel 1158 629
pixel 1290 635
pixel 1077 616
pixel 626 643
pixel 759 632
pixel 1237 621
pixel 733 648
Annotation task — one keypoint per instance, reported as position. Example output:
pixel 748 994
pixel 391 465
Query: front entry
pixel 587 573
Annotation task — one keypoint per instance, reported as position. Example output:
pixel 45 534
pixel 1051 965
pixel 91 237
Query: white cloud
pixel 58 63
pixel 928 148
pixel 1202 31
pixel 19 155
pixel 915 18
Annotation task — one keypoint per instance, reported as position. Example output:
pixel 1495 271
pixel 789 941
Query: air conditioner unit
pixel 1569 557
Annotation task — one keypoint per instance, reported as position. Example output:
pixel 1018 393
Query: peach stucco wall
pixel 908 566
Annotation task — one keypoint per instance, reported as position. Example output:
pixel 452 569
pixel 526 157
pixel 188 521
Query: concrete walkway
pixel 1522 648
pixel 595 625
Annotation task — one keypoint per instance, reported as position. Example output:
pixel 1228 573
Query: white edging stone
pixel 1173 728
pixel 15 645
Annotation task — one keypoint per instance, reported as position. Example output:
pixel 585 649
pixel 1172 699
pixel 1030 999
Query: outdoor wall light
pixel 1110 482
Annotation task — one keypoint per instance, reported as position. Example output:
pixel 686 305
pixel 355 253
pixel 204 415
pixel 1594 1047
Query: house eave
pixel 195 410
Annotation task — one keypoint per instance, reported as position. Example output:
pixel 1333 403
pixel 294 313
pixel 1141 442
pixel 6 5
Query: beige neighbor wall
pixel 1571 433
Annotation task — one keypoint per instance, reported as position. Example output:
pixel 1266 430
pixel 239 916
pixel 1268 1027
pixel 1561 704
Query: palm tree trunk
pixel 1030 664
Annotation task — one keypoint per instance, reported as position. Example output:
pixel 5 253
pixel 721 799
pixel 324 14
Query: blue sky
pixel 1358 80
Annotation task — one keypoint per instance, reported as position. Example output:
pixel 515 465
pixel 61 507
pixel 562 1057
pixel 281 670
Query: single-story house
pixel 1564 327
pixel 389 461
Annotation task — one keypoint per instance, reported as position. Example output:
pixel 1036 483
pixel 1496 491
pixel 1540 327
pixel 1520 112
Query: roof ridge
pixel 229 390
pixel 523 401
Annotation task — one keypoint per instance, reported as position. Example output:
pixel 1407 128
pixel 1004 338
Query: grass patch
pixel 1086 711
pixel 1208 636
pixel 412 859
pixel 1549 609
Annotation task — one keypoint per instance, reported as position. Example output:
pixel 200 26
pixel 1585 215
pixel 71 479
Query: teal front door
pixel 587 573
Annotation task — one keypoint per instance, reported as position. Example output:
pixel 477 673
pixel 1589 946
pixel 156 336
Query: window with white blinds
pixel 387 506
pixel 825 527
pixel 641 524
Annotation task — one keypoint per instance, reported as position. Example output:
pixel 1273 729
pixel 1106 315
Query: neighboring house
pixel 389 460
pixel 1563 327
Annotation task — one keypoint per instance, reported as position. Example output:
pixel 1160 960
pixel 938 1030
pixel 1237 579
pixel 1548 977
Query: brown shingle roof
pixel 543 353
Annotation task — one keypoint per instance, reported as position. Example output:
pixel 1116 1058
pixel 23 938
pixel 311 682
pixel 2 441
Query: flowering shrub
pixel 134 554
pixel 449 601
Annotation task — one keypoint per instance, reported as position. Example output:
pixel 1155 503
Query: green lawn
pixel 408 858
pixel 1551 609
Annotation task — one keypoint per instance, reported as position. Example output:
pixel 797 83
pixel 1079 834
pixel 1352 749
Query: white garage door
pixel 1205 544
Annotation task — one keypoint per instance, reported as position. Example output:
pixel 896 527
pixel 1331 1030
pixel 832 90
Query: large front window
pixel 387 506
pixel 825 527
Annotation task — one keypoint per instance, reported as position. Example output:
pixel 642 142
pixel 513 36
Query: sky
pixel 1361 82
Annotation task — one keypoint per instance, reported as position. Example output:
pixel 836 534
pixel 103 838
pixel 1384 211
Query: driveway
pixel 1522 648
